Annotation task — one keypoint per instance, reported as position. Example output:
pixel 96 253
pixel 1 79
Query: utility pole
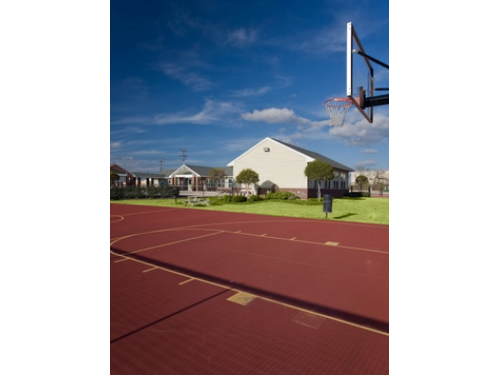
pixel 161 164
pixel 183 156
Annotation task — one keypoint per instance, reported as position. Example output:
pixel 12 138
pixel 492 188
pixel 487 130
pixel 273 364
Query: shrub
pixel 358 194
pixel 226 198
pixel 281 195
pixel 132 192
pixel 255 198
pixel 116 193
pixel 239 198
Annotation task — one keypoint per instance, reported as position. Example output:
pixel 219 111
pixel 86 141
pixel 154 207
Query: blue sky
pixel 213 78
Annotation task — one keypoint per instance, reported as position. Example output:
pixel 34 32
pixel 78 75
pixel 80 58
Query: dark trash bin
pixel 327 204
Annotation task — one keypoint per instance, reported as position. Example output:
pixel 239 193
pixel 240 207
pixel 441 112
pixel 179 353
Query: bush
pixel 255 198
pixel 239 198
pixel 357 194
pixel 226 198
pixel 281 195
pixel 132 192
pixel 116 193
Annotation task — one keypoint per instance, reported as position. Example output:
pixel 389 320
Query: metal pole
pixel 371 58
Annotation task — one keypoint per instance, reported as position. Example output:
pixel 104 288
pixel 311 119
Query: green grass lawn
pixel 361 210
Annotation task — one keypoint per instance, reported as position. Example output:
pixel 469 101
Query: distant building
pixel 378 180
pixel 280 167
pixel 196 178
pixel 138 178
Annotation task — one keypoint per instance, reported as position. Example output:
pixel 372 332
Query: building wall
pixel 382 176
pixel 280 166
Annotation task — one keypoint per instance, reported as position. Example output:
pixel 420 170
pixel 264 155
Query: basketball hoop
pixel 337 109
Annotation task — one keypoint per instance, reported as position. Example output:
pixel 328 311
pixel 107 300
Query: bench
pixel 195 200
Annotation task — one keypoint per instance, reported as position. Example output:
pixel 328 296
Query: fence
pixel 377 189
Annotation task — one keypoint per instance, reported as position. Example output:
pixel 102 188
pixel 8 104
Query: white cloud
pixel 314 41
pixel 271 115
pixel 369 151
pixel 361 132
pixel 187 77
pixel 241 37
pixel 280 116
pixel 252 92
pixel 212 111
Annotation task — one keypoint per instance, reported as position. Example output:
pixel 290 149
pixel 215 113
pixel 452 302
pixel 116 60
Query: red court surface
pixel 195 291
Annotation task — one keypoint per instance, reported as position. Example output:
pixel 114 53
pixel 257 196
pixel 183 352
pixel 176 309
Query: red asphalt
pixel 316 294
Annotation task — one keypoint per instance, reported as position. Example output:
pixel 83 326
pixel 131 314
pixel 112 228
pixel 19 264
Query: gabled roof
pixel 168 172
pixel 316 156
pixel 117 169
pixel 309 155
pixel 198 171
pixel 149 175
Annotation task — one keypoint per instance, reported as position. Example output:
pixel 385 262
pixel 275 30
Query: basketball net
pixel 337 109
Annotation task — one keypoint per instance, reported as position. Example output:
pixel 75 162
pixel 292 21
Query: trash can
pixel 327 204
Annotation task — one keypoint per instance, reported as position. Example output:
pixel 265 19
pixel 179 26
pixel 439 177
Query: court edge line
pixel 114 240
pixel 216 231
pixel 257 296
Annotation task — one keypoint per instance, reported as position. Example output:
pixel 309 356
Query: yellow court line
pixel 172 243
pixel 120 260
pixel 185 281
pixel 146 212
pixel 150 269
pixel 328 243
pixel 198 227
pixel 118 216
pixel 321 315
pixel 117 239
pixel 263 298
pixel 172 271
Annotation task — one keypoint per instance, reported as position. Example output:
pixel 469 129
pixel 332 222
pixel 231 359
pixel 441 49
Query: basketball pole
pixel 371 58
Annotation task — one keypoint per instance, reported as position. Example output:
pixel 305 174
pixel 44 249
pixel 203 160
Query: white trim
pixel 183 168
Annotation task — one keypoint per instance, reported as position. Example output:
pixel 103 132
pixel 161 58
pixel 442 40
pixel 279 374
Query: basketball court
pixel 214 292
pixel 195 291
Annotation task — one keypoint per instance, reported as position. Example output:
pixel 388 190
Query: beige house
pixel 281 166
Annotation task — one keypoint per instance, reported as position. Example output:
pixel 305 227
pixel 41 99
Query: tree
pixel 113 178
pixel 362 180
pixel 248 177
pixel 318 170
pixel 216 174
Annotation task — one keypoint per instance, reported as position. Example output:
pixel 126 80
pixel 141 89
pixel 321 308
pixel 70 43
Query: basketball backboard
pixel 360 83
pixel 360 76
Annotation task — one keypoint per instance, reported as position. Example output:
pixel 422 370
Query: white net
pixel 337 109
